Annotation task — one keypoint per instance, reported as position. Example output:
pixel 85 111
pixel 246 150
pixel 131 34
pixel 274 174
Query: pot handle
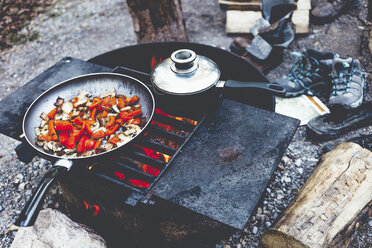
pixel 33 206
pixel 233 87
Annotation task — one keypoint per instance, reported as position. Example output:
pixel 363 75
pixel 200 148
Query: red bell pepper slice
pixel 89 144
pixel 78 121
pixel 71 142
pixel 125 115
pixel 121 102
pixel 52 114
pixel 93 114
pixel 120 121
pixel 104 114
pixel 98 143
pixel 88 125
pixel 114 140
pixel 112 130
pixel 63 137
pixel 96 101
pixel 132 100
pixel 78 132
pixel 136 121
pixel 44 137
pixel 110 122
pixel 81 145
pixel 63 125
pixel 52 131
pixel 98 135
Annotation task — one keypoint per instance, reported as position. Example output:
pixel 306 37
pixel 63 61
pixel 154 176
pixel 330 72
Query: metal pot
pixel 187 82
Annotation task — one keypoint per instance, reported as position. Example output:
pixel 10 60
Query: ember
pixel 93 208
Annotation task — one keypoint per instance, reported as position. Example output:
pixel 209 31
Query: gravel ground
pixel 86 28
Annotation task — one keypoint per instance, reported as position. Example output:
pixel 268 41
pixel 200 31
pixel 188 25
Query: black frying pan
pixel 95 84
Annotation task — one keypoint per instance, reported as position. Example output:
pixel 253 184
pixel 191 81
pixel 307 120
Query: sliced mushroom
pixel 83 95
pixel 54 146
pixel 42 123
pixel 59 102
pixel 81 102
pixel 125 108
pixel 75 113
pixel 39 142
pixel 69 151
pixel 108 146
pixel 58 117
pixel 37 131
pixel 110 93
pixel 88 153
pixel 44 116
pixel 116 109
pixel 95 126
pixel 67 107
pixel 44 130
pixel 112 114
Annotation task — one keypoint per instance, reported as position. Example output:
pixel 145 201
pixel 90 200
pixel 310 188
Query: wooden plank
pixel 241 21
pixel 301 20
pixel 240 5
pixel 331 205
pixel 304 4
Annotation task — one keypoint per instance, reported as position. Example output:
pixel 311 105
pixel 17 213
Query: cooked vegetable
pixel 85 126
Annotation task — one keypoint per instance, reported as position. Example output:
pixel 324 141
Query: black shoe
pixel 309 74
pixel 330 126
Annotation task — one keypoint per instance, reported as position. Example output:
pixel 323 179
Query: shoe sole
pixel 352 122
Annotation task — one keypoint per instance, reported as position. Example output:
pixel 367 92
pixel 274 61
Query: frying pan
pixel 95 84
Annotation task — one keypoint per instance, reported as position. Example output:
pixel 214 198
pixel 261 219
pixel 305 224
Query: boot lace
pixel 300 71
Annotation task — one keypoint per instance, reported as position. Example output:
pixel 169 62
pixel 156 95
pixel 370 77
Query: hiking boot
pixel 349 83
pixel 331 126
pixel 326 12
pixel 309 74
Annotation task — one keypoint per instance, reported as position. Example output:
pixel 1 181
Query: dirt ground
pixel 86 28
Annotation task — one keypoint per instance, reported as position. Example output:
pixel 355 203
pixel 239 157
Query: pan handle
pixel 238 87
pixel 33 206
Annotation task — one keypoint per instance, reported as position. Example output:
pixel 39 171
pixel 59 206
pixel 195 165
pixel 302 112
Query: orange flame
pixel 139 183
pixel 119 175
pixel 93 207
pixel 190 121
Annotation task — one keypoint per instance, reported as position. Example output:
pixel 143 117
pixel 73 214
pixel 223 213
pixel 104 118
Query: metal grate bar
pixel 127 169
pixel 173 122
pixel 156 146
pixel 119 183
pixel 158 164
pixel 169 135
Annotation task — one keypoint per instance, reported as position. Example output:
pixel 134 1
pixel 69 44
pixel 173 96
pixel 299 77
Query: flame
pixel 139 183
pixel 155 154
pixel 150 170
pixel 93 207
pixel 154 61
pixel 184 119
pixel 119 175
pixel 90 167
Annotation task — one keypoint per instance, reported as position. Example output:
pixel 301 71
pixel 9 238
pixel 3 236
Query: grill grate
pixel 140 167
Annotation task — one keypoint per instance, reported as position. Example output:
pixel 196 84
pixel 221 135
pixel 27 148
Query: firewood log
pixel 331 205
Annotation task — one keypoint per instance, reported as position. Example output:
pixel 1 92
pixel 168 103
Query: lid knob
pixel 184 61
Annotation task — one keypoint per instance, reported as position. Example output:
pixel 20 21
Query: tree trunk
pixel 157 20
pixel 331 205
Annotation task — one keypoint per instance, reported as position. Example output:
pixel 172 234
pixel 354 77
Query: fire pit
pixel 189 181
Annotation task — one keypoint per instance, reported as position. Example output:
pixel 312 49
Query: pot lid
pixel 185 73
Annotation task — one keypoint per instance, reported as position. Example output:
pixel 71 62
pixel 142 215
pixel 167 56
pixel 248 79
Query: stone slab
pixel 224 169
